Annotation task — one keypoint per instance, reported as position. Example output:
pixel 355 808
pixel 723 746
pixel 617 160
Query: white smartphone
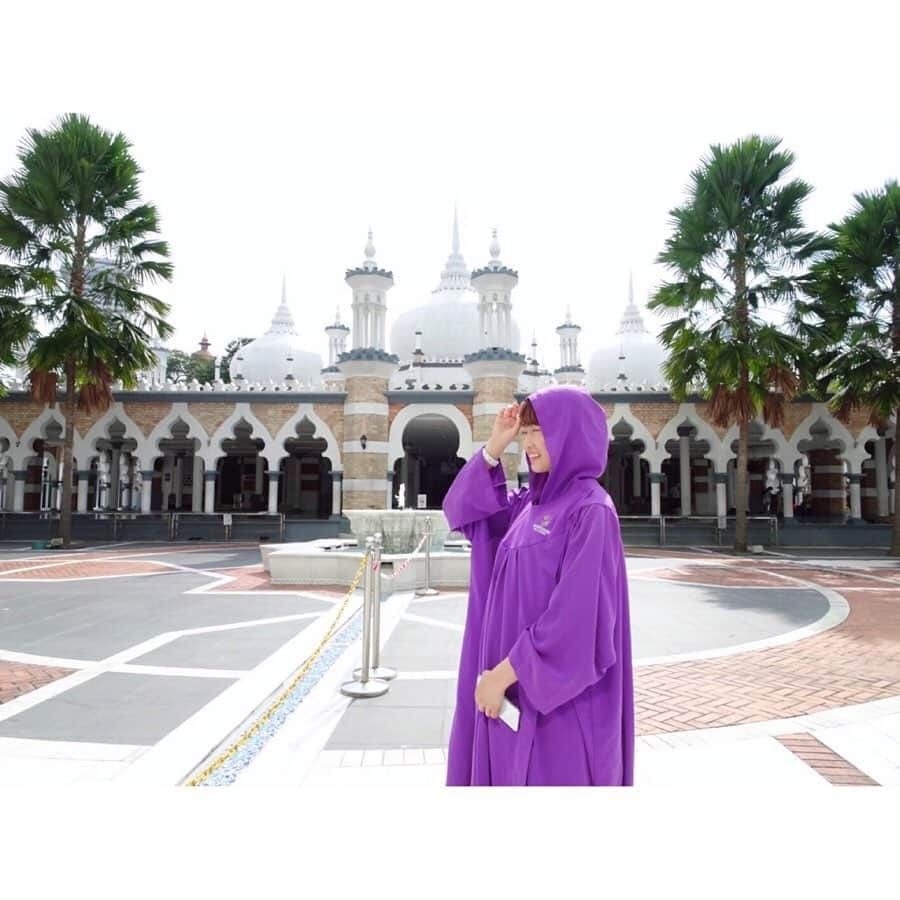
pixel 509 712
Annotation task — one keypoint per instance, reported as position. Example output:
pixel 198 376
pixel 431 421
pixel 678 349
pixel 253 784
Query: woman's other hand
pixel 506 429
pixel 489 693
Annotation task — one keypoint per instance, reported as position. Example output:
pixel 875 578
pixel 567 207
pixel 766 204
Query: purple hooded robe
pixel 549 590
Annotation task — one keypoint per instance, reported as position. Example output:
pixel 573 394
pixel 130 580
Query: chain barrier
pixel 406 563
pixel 199 779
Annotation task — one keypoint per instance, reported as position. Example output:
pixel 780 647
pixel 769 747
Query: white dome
pixel 634 360
pixel 449 320
pixel 277 354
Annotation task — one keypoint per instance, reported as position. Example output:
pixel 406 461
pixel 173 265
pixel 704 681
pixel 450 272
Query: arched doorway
pixel 627 476
pixel 429 462
pixel 178 473
pixel 305 486
pixel 43 484
pixel 241 480
pixel 763 475
pixel 687 483
pixel 824 486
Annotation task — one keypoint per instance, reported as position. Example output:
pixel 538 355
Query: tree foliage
pixel 736 250
pixel 81 247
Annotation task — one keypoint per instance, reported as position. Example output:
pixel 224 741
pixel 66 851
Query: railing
pixel 720 524
pixel 227 521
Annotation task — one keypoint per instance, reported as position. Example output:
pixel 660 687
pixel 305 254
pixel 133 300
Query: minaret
pixel 494 283
pixel 337 344
pixel 370 286
pixel 570 370
pixel 632 322
pixel 496 367
pixel 367 368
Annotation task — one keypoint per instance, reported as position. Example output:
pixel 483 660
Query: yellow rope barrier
pixel 198 779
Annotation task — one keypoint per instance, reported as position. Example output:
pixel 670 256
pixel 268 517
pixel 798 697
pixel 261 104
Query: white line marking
pixel 113 663
pixel 425 620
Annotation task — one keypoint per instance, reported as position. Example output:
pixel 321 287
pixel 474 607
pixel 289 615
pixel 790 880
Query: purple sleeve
pixel 571 644
pixel 479 492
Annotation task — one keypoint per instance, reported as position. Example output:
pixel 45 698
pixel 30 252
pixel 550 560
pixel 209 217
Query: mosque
pixel 392 417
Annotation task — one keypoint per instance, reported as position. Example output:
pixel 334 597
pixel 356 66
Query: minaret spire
pixel 456 274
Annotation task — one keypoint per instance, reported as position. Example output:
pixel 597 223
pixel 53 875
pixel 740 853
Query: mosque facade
pixel 391 418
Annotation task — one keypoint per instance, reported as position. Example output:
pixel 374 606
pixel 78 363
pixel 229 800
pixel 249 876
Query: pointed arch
pixel 289 430
pixel 687 412
pixel 163 429
pixel 22 449
pixel 226 430
pixel 84 447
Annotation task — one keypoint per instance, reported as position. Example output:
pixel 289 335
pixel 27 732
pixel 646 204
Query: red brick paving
pixel 856 662
pixel 818 756
pixel 20 678
pixel 86 568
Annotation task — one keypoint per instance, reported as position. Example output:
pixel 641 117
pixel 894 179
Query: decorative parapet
pixel 489 270
pixel 368 354
pixel 489 354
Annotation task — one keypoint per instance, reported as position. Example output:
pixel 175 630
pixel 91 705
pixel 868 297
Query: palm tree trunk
pixel 65 512
pixel 740 489
pixel 895 543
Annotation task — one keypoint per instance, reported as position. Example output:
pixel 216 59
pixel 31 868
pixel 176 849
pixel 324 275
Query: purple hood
pixel 574 429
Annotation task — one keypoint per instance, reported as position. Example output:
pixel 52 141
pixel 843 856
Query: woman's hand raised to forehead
pixel 506 429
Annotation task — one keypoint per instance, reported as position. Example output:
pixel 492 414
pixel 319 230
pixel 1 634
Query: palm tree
pixel 82 242
pixel 853 316
pixel 735 248
pixel 16 320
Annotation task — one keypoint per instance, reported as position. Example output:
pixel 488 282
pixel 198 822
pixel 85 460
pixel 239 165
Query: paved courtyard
pixel 143 663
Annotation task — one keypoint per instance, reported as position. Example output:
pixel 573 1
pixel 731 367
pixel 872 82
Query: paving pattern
pixel 21 678
pixel 719 642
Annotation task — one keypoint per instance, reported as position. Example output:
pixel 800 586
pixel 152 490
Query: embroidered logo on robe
pixel 542 528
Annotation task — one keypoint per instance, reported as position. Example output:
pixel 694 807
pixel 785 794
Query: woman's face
pixel 532 439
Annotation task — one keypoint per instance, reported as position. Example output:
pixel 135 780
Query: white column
pixel 881 476
pixel 197 490
pixel 390 487
pixel 273 491
pixel 787 495
pixel 855 495
pixel 337 484
pixel 82 502
pixel 147 490
pixel 721 479
pixel 209 499
pixel 684 461
pixel 655 478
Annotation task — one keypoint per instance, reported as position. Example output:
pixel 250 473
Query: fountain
pixel 335 560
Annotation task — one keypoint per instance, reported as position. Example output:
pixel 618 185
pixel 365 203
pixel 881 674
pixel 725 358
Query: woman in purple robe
pixel 548 621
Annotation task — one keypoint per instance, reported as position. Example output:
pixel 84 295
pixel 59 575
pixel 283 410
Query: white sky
pixel 272 134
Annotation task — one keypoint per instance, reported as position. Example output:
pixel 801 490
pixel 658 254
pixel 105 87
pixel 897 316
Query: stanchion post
pixel 428 590
pixel 363 685
pixel 385 673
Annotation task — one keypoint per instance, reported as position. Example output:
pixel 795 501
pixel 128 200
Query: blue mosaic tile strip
pixel 228 772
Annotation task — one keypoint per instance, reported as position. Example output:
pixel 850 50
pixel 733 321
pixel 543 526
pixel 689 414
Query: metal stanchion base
pixel 384 673
pixel 426 592
pixel 362 689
